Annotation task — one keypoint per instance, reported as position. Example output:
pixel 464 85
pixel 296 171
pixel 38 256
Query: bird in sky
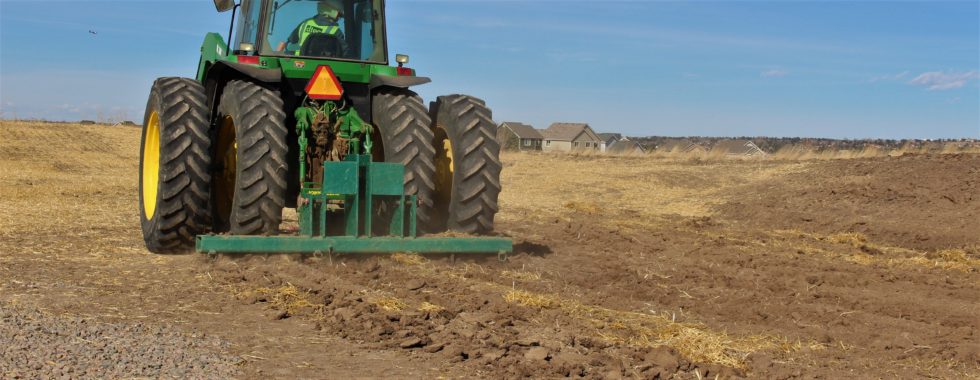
pixel 92 32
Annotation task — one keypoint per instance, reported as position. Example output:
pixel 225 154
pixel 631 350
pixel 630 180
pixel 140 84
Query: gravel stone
pixel 38 345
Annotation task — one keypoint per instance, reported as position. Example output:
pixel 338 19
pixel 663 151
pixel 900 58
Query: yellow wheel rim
pixel 444 166
pixel 151 164
pixel 226 153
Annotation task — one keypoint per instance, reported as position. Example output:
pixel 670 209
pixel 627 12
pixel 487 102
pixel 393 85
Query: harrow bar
pixel 348 244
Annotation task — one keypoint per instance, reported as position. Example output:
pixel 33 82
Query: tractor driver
pixel 325 22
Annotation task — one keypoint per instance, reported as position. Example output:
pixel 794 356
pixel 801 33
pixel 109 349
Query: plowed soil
pixel 624 268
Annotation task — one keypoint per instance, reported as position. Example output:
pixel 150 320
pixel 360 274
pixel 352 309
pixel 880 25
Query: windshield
pixel 340 29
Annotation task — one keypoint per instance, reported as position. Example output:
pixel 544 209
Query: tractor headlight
pixel 246 47
pixel 401 58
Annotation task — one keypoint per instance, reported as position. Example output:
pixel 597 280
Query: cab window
pixel 339 29
pixel 248 25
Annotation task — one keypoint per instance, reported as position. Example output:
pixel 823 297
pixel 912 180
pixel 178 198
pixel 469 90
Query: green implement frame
pixel 337 216
pixel 348 244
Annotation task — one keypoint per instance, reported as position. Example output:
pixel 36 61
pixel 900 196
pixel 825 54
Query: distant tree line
pixel 774 144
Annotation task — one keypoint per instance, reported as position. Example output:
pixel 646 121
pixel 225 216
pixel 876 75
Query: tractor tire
pixel 403 126
pixel 174 166
pixel 251 171
pixel 467 164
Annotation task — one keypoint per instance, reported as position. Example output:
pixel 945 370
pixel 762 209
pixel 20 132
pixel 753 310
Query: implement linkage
pixel 337 131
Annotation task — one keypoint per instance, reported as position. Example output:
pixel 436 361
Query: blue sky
pixel 845 69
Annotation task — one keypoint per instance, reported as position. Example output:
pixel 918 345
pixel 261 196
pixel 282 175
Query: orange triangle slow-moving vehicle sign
pixel 324 85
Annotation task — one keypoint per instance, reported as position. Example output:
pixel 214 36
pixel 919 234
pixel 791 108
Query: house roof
pixel 522 130
pixel 681 145
pixel 607 136
pixel 625 146
pixel 565 131
pixel 739 147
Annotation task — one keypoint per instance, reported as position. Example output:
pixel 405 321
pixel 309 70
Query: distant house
pixel 565 137
pixel 626 147
pixel 737 148
pixel 518 136
pixel 608 139
pixel 681 146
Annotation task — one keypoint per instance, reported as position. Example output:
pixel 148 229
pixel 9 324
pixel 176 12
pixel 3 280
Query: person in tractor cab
pixel 320 35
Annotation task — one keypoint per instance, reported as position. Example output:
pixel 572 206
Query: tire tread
pixel 183 204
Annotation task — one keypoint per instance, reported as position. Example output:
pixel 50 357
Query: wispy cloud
pixel 948 80
pixel 773 73
pixel 889 77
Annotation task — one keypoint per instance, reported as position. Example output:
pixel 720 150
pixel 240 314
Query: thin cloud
pixel 882 78
pixel 773 73
pixel 939 80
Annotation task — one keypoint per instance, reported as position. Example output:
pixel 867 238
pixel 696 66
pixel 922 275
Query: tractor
pixel 299 108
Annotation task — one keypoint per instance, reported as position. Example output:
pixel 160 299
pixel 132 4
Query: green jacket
pixel 317 24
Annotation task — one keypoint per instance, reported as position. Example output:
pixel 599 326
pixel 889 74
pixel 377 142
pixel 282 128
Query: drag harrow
pixel 347 196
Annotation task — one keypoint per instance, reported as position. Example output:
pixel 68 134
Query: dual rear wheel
pixel 467 165
pixel 450 157
pixel 195 180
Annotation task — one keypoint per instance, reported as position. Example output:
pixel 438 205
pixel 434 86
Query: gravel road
pixel 38 345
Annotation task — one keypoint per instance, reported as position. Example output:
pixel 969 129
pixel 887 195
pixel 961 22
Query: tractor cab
pixel 325 29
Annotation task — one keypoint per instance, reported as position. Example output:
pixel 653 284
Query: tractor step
pixel 349 244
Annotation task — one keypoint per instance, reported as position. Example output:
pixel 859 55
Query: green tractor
pixel 300 109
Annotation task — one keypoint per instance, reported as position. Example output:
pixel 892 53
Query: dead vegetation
pixel 593 232
pixel 694 340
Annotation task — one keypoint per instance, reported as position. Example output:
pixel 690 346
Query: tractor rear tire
pixel 174 166
pixel 403 125
pixel 251 156
pixel 467 164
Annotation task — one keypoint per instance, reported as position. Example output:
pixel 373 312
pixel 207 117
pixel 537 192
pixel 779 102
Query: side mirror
pixel 224 5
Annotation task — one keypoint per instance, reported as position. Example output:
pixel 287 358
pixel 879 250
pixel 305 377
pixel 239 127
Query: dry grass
pixel 287 298
pixel 630 189
pixel 67 193
pixel 430 308
pixel 695 341
pixel 389 303
pixel 408 258
pixel 524 298
pixel 865 252
pixel 70 178
pixel 854 239
pixel 521 275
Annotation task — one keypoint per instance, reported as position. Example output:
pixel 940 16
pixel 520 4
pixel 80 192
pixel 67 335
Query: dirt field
pixel 624 267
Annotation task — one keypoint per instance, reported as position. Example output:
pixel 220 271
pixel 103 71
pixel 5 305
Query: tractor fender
pixel 219 69
pixel 392 81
